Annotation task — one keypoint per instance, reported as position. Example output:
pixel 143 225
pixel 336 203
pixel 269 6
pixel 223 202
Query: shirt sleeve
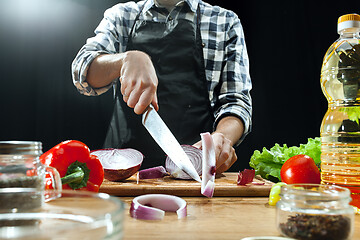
pixel 110 37
pixel 234 97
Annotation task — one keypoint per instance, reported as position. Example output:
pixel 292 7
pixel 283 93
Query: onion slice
pixel 154 206
pixel 258 183
pixel 246 176
pixel 208 165
pixel 155 172
pixel 195 156
pixel 119 164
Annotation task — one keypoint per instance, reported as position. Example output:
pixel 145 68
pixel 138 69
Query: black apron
pixel 175 48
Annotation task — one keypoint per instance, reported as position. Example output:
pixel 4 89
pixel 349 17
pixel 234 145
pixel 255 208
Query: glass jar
pixel 22 177
pixel 315 211
pixel 75 215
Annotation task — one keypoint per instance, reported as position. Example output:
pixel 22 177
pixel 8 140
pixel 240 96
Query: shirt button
pixel 170 18
pixel 203 44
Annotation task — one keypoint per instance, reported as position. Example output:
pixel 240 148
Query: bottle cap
pixel 350 22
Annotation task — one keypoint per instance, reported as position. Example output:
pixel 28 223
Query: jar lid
pixel 20 148
pixel 315 196
pixel 350 22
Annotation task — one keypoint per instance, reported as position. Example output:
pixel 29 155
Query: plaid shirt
pixel 225 54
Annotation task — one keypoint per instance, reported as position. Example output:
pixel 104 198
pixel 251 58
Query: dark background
pixel 286 42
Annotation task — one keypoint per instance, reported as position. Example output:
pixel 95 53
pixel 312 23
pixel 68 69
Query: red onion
pixel 246 176
pixel 155 172
pixel 258 183
pixel 154 206
pixel 119 164
pixel 195 156
pixel 208 165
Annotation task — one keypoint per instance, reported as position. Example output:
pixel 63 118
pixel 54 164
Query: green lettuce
pixel 268 163
pixel 352 112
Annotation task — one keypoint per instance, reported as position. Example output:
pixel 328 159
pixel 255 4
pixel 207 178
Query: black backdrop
pixel 286 42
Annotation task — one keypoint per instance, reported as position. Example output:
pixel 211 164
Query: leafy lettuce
pixel 268 163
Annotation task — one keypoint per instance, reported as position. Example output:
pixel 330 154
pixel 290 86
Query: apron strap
pixel 137 18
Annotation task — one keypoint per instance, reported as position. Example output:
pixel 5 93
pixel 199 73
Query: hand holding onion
pixel 224 152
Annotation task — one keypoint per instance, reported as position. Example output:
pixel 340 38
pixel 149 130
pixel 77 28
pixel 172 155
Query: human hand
pixel 224 152
pixel 138 81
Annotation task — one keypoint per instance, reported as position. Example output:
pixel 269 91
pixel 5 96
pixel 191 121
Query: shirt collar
pixel 193 4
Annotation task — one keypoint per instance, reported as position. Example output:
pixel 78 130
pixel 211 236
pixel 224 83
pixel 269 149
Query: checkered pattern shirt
pixel 225 53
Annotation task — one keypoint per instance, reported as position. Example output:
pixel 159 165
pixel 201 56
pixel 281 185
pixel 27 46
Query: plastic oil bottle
pixel 340 128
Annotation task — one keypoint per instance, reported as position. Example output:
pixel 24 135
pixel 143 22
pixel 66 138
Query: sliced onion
pixel 246 176
pixel 208 190
pixel 154 206
pixel 155 172
pixel 258 183
pixel 119 164
pixel 208 165
pixel 195 156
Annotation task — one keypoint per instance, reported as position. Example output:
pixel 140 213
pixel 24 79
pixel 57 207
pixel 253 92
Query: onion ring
pixel 208 165
pixel 154 206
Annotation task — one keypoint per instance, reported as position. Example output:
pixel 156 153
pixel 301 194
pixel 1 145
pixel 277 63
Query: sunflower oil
pixel 340 128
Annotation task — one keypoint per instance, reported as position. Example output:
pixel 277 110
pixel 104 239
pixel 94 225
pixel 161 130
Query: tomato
pixel 300 169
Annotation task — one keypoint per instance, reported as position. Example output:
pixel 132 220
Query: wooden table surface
pixel 214 218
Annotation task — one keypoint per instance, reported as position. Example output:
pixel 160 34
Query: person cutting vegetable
pixel 186 58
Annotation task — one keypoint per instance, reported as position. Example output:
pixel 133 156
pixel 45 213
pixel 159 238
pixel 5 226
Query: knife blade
pixel 167 141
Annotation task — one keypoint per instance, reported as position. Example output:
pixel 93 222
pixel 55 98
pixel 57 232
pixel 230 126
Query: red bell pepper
pixel 78 169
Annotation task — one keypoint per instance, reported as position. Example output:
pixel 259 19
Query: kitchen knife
pixel 166 140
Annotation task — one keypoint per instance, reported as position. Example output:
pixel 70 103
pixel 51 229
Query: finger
pixel 218 145
pixel 155 102
pixel 227 164
pixel 221 169
pixel 224 154
pixel 125 98
pixel 133 98
pixel 125 91
pixel 122 85
pixel 143 102
pixel 125 87
pixel 233 159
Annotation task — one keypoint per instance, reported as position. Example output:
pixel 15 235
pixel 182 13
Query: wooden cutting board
pixel 225 185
